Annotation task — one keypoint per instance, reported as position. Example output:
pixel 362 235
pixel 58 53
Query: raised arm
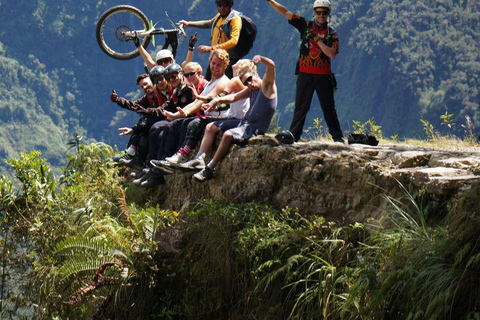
pixel 269 88
pixel 191 46
pixel 146 57
pixel 281 9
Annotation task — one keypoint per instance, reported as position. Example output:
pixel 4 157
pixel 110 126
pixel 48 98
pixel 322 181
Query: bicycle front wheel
pixel 112 28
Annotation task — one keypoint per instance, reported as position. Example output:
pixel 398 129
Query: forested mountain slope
pixel 399 61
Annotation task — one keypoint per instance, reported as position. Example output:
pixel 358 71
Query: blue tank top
pixel 261 110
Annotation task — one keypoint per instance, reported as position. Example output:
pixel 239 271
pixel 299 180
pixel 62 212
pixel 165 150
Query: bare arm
pixel 244 94
pixel 281 9
pixel 188 59
pixel 269 88
pixel 234 85
pixel 147 57
pixel 329 52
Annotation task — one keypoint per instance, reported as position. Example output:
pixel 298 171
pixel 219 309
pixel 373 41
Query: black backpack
pixel 248 33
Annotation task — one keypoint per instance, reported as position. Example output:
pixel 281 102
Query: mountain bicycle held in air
pixel 119 25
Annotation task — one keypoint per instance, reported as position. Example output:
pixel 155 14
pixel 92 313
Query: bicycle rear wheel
pixel 111 27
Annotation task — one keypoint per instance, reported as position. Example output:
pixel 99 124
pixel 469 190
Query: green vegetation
pixel 368 128
pixel 83 247
pixel 399 61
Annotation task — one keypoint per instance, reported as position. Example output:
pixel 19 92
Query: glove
pixel 136 42
pixel 192 41
pixel 114 97
pixel 310 34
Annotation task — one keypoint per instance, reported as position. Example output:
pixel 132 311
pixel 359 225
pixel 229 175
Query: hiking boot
pixel 285 137
pixel 177 158
pixel 153 180
pixel 196 164
pixel 123 155
pixel 204 175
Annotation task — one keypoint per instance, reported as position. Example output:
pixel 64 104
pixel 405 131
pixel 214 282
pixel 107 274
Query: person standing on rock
pixel 318 47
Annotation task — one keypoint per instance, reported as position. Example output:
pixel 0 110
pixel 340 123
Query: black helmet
pixel 172 68
pixel 228 2
pixel 156 73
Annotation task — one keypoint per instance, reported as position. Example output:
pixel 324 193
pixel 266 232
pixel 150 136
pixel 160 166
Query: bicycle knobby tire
pixel 109 31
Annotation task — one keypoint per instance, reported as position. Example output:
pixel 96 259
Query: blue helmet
pixel 173 68
pixel 156 74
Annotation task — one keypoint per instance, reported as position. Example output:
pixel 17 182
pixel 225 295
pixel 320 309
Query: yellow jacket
pixel 220 39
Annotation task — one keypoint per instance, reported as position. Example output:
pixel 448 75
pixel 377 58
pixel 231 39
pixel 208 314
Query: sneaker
pixel 285 137
pixel 140 179
pixel 123 155
pixel 152 181
pixel 133 162
pixel 137 174
pixel 196 164
pixel 162 166
pixel 177 158
pixel 204 175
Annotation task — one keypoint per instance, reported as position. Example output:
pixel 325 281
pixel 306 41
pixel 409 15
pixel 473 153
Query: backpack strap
pixel 226 26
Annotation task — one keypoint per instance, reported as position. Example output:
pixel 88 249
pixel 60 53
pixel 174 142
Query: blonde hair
pixel 249 67
pixel 194 65
pixel 239 66
pixel 221 54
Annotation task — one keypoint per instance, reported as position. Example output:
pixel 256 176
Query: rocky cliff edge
pixel 342 182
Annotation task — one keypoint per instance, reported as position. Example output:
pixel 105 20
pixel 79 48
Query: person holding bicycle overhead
pixel 220 40
pixel 165 57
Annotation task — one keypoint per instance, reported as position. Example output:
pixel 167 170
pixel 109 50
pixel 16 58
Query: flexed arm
pixel 268 87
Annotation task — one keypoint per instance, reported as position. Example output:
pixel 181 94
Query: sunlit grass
pixel 443 143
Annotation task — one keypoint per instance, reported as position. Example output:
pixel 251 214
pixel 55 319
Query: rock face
pixel 342 182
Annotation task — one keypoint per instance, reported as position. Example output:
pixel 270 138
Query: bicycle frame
pixel 151 32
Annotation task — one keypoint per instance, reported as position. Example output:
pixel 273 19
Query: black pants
pixel 157 137
pixel 176 136
pixel 140 137
pixel 166 137
pixel 307 84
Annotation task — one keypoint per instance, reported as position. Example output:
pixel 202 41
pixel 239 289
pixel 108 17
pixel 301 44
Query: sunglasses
pixel 225 5
pixel 165 60
pixel 247 81
pixel 157 80
pixel 321 13
pixel 171 77
pixel 190 74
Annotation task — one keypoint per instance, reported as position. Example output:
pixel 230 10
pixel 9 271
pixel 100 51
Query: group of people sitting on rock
pixel 181 107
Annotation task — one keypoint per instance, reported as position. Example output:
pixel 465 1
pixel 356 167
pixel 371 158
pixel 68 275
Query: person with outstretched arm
pixel 220 38
pixel 318 47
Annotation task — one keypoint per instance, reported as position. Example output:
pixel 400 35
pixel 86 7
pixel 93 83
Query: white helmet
pixel 321 4
pixel 162 54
